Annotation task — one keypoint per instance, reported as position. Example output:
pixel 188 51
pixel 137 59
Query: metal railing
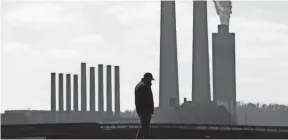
pixel 200 127
pixel 12 131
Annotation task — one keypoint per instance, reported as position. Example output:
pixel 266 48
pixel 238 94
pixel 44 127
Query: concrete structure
pixel 92 102
pixel 169 87
pixel 100 89
pixel 200 66
pixel 224 79
pixel 53 92
pixel 68 92
pixel 109 90
pixel 75 91
pixel 83 88
pixel 61 98
pixel 117 90
pixel 92 88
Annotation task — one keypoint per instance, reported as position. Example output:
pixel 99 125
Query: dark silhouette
pixel 68 92
pixel 144 104
pixel 83 87
pixel 117 90
pixel 53 91
pixel 75 91
pixel 61 96
pixel 92 89
pixel 100 89
pixel 109 90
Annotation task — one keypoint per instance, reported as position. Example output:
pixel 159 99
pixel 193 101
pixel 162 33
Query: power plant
pixel 224 87
pixel 223 45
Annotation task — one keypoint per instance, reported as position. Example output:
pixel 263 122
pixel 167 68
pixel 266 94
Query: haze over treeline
pixel 247 114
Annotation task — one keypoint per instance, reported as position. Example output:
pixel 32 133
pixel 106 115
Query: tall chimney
pixel 53 92
pixel 224 77
pixel 117 91
pixel 61 98
pixel 75 90
pixel 169 87
pixel 83 88
pixel 200 65
pixel 109 90
pixel 100 89
pixel 92 88
pixel 68 92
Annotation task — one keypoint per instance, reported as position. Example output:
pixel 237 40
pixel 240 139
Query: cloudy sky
pixel 56 36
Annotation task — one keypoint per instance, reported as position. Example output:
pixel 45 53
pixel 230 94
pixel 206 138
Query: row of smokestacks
pixel 83 93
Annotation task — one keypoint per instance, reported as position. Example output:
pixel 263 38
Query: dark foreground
pixel 127 131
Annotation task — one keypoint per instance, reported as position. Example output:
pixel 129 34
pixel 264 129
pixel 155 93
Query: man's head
pixel 148 77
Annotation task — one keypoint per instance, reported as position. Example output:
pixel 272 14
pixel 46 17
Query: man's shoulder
pixel 139 85
pixel 144 85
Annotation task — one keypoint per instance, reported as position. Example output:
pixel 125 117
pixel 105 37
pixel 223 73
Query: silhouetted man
pixel 144 104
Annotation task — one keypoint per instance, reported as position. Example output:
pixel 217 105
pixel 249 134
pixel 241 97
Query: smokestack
pixel 169 87
pixel 100 89
pixel 172 102
pixel 75 90
pixel 92 88
pixel 53 92
pixel 83 88
pixel 200 64
pixel 117 91
pixel 68 92
pixel 109 90
pixel 61 99
pixel 224 74
pixel 223 29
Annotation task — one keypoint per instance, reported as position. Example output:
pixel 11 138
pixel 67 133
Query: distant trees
pixel 247 114
pixel 262 114
pixel 271 106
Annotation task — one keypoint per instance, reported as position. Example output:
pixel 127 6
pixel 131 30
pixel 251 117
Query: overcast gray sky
pixel 44 36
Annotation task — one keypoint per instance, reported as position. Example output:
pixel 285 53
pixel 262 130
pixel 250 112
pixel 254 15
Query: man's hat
pixel 148 75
